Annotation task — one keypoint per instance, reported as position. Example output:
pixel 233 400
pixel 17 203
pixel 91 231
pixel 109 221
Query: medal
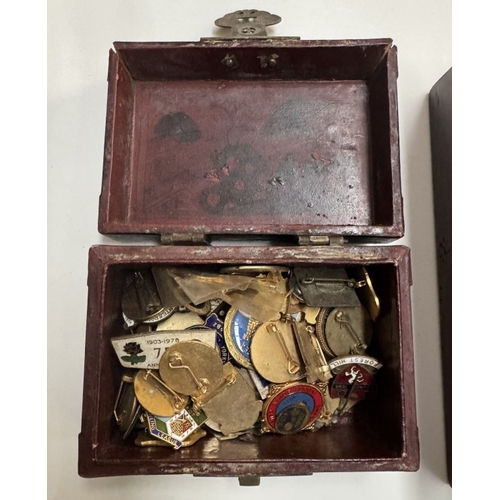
pixel 344 330
pixel 145 350
pixel 235 407
pixel 238 332
pixel 275 354
pixel 155 396
pixel 292 408
pixel 192 368
pixel 353 382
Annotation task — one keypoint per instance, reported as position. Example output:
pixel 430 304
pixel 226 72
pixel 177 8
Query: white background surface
pixel 80 33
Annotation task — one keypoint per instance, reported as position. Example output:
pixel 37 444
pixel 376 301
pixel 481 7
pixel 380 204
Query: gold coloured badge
pixel 317 369
pixel 344 330
pixel 235 407
pixel 191 368
pixel 275 354
pixel 155 396
pixel 367 294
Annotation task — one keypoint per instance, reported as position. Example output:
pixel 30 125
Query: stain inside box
pixel 302 150
pixel 309 145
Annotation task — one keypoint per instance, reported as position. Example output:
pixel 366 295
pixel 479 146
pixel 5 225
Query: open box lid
pixel 253 136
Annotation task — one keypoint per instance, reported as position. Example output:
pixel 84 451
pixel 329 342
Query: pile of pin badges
pixel 245 349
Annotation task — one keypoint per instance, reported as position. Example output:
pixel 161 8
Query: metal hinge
pixel 184 239
pixel 321 239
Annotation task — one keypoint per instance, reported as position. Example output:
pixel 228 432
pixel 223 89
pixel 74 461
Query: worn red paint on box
pixel 309 147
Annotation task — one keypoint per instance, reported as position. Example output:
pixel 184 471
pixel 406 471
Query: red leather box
pixel 254 151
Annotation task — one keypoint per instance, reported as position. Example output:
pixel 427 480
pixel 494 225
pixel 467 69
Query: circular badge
pixel 295 407
pixel 161 316
pixel 292 419
pixel 201 309
pixel 155 397
pixel 238 332
pixel 191 368
pixel 153 320
pixel 344 330
pixel 236 407
pixel 275 354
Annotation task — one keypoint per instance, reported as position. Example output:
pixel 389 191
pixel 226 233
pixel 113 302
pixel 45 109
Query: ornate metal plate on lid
pixel 248 23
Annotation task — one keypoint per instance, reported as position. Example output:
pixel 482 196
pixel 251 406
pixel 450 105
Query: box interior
pixel 308 146
pixel 371 430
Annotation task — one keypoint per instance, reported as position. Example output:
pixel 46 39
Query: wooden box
pixel 294 142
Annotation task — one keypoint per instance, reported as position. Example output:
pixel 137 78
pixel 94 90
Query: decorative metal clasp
pixel 249 23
